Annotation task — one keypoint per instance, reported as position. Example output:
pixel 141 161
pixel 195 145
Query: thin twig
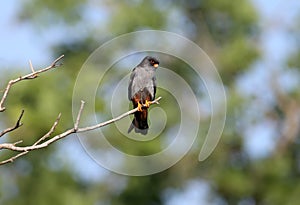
pixel 79 115
pixel 17 125
pixel 31 75
pixel 54 63
pixel 18 142
pixel 13 158
pixel 48 134
pixel 31 66
pixel 24 150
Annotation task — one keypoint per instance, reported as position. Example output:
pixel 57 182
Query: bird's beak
pixel 155 65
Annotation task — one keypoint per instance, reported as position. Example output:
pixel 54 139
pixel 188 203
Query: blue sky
pixel 277 19
pixel 20 42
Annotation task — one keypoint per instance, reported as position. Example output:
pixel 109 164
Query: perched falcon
pixel 141 90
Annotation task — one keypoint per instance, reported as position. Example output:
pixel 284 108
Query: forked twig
pixel 31 75
pixel 17 125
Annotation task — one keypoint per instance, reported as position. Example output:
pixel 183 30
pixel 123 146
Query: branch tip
pixel 31 66
pixel 16 126
pixel 18 142
pixel 79 115
pixel 54 64
pixel 29 76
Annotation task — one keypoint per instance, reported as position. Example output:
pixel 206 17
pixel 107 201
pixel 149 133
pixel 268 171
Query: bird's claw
pixel 147 103
pixel 139 107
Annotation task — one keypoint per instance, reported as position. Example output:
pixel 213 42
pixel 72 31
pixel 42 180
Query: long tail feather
pixel 139 123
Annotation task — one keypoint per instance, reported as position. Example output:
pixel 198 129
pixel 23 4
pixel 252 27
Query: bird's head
pixel 150 61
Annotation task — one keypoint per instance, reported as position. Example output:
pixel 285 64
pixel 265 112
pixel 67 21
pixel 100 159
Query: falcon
pixel 141 90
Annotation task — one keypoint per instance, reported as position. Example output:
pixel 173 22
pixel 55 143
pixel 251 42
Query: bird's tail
pixel 139 123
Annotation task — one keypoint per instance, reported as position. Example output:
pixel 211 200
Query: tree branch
pixel 17 125
pixel 85 129
pixel 13 158
pixel 48 134
pixel 31 75
pixel 79 115
pixel 39 144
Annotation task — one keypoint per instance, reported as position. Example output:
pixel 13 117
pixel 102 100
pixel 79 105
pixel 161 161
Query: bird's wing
pixel 130 84
pixel 154 87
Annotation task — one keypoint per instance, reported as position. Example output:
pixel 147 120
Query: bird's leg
pixel 139 107
pixel 147 103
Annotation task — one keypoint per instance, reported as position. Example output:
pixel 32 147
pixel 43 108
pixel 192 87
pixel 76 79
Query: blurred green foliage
pixel 233 176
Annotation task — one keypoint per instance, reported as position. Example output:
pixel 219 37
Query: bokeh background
pixel 255 47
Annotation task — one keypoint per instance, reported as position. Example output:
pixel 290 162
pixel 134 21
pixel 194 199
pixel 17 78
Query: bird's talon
pixel 147 103
pixel 139 107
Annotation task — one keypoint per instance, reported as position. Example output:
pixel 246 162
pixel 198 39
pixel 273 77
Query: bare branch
pixel 48 134
pixel 31 75
pixel 38 145
pixel 18 142
pixel 13 158
pixel 85 129
pixel 17 125
pixel 54 63
pixel 79 115
pixel 31 66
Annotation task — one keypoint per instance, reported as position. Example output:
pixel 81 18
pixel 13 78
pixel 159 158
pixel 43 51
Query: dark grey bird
pixel 141 90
